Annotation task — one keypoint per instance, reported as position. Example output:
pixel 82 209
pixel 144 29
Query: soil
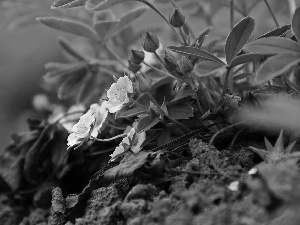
pixel 190 192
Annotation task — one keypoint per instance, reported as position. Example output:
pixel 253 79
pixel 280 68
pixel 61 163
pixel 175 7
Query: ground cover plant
pixel 152 131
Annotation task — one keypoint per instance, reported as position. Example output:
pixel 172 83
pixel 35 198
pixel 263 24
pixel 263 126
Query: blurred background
pixel 26 46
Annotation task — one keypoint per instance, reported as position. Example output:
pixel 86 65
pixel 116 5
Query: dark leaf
pixel 180 111
pixel 195 52
pixel 146 123
pixel 238 37
pixel 296 24
pixel 70 26
pixel 279 31
pixel 164 137
pixel 68 4
pixel 273 45
pixel 133 110
pixel 275 66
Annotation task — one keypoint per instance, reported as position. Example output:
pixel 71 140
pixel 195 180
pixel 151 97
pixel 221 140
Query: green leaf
pixel 296 23
pixel 146 123
pixel 206 68
pixel 273 45
pixel 102 4
pixel 129 17
pixel 275 66
pixel 106 29
pixel 279 31
pixel 70 26
pixel 195 52
pixel 134 110
pixel 164 137
pixel 241 59
pixel 242 76
pixel 238 37
pixel 63 4
pixel 69 49
pixel 180 111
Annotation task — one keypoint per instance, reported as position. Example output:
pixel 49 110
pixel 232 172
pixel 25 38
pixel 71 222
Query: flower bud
pixel 185 65
pixel 177 19
pixel 133 67
pixel 137 56
pixel 171 63
pixel 150 42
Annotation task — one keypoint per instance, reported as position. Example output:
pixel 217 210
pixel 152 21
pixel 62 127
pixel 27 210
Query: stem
pixel 115 127
pixel 110 139
pixel 115 55
pixel 231 14
pixel 272 13
pixel 198 101
pixel 226 82
pixel 188 130
pixel 182 35
pixel 159 58
pixel 68 114
pixel 158 70
pixel 159 13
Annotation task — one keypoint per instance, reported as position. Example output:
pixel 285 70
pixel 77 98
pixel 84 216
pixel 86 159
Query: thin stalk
pixel 272 13
pixel 183 38
pixel 139 104
pixel 68 114
pixel 188 130
pixel 112 138
pixel 115 55
pixel 160 14
pixel 158 70
pixel 159 58
pixel 231 14
pixel 115 127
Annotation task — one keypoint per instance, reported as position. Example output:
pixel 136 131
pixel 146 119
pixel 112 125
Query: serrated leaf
pixel 68 25
pixel 296 23
pixel 241 59
pixel 238 37
pixel 63 4
pixel 273 45
pixel 146 123
pixel 195 52
pixel 180 111
pixel 275 66
pixel 279 31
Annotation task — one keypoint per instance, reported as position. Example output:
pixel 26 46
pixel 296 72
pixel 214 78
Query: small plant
pixel 153 93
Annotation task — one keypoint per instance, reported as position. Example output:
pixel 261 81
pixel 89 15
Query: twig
pixel 272 13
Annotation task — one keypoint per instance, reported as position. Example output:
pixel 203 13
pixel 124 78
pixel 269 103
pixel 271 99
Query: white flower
pixel 118 94
pixel 234 186
pixel 133 140
pixel 89 124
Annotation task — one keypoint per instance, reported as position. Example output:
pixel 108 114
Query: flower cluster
pixel 90 124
